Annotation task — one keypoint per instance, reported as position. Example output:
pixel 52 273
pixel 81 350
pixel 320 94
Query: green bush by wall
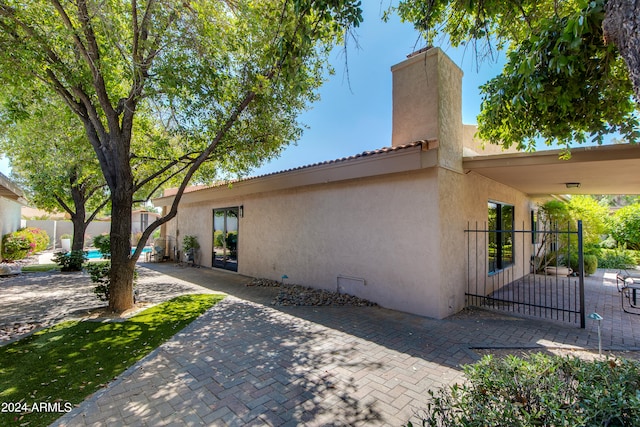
pixel 24 242
pixel 590 264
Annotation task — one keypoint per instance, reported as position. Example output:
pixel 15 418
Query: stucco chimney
pixel 427 103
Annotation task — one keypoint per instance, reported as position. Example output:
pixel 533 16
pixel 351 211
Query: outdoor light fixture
pixel 596 316
pixel 241 211
pixel 572 184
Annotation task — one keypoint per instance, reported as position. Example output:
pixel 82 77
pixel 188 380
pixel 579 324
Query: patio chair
pixel 627 276
pixel 628 284
pixel 157 254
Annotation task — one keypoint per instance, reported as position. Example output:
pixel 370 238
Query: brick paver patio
pixel 245 362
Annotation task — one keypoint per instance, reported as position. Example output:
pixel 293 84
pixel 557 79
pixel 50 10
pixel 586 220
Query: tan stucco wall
pixel 451 228
pixel 384 230
pixel 427 103
pixel 477 147
pixel 403 234
pixel 478 190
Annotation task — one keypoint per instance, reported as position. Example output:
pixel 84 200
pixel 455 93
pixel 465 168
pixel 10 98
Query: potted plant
pixel 190 245
pixel 65 242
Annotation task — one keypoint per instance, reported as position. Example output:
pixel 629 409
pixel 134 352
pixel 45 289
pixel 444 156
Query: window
pixel 225 238
pixel 500 236
pixel 144 221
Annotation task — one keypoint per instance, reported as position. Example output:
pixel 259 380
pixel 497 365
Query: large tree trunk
pixel 78 216
pixel 621 27
pixel 122 265
pixel 79 228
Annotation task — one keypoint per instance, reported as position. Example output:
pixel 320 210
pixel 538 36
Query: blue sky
pixel 355 116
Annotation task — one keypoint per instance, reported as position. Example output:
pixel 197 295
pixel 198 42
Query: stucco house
pixel 11 202
pixel 389 225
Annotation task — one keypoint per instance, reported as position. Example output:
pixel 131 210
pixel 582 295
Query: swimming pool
pixel 95 254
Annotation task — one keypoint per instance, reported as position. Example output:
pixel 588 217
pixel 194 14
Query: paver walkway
pixel 245 362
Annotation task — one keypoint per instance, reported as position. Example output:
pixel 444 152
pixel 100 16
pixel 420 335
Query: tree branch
pixel 63 204
pixel 162 182
pixel 156 174
pixel 97 210
pixel 76 39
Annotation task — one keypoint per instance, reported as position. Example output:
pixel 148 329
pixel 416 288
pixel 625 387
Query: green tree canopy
pixel 625 226
pixel 47 148
pixel 226 79
pixel 572 65
pixel 594 216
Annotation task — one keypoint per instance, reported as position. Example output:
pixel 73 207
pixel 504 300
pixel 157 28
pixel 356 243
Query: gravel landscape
pixel 297 295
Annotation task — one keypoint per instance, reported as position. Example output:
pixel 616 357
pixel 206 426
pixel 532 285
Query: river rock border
pixel 297 295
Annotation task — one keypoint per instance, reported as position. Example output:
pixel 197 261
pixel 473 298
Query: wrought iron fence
pixel 541 272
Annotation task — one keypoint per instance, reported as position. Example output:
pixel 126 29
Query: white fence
pixel 55 229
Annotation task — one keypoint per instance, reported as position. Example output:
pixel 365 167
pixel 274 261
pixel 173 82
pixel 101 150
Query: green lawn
pixel 64 364
pixel 34 268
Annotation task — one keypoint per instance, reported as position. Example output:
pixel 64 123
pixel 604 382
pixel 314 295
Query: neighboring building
pixel 11 202
pixel 140 220
pixel 29 213
pixel 389 225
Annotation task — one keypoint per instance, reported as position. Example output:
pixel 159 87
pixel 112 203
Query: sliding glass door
pixel 225 238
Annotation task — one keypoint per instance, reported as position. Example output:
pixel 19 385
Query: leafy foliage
pixel 625 226
pixel 190 243
pixel 103 243
pixel 540 390
pixel 594 216
pixel 15 246
pixel 71 261
pixel 50 158
pixel 541 93
pixel 618 258
pixel 99 272
pixel 206 87
pixel 562 83
pixel 100 275
pixel 562 249
pixel 231 239
pixel 38 237
pixel 590 264
pixel 23 242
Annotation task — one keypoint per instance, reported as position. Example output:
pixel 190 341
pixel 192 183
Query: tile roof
pixel 377 152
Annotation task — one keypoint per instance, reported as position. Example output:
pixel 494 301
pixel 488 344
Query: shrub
pixel 231 240
pixel 40 237
pixel 99 272
pixel 71 261
pixel 540 390
pixel 617 258
pixel 103 244
pixel 24 242
pixel 626 226
pixel 190 242
pixel 609 243
pixel 590 264
pixel 218 239
pixel 15 246
pixel 66 236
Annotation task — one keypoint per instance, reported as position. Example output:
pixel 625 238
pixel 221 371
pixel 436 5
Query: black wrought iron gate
pixel 543 275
